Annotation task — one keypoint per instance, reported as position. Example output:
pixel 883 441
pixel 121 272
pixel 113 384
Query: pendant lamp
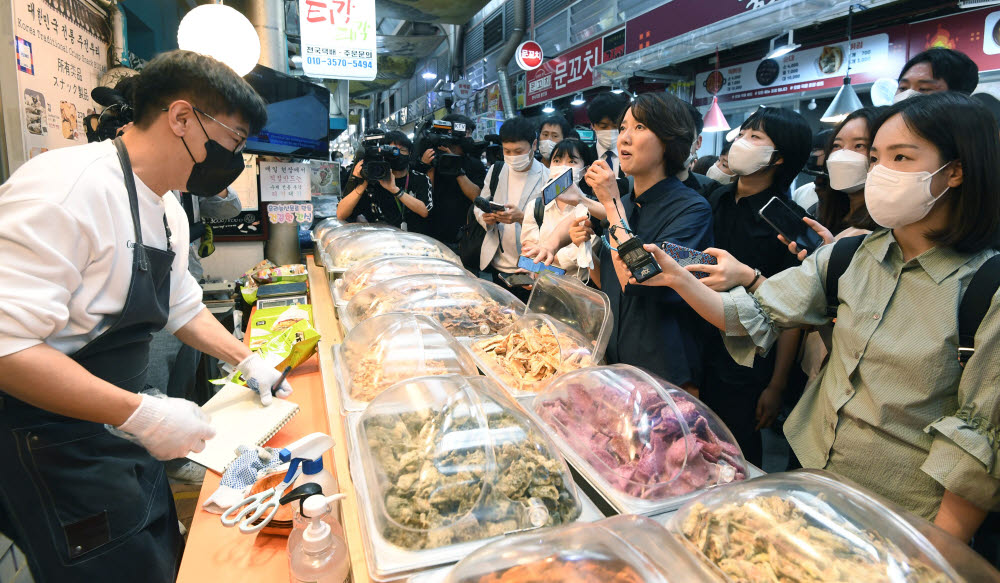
pixel 714 120
pixel 846 101
pixel 221 32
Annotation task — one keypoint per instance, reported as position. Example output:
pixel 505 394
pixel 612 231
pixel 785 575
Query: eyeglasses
pixel 242 138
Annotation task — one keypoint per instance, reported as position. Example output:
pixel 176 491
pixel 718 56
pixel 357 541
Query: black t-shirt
pixel 377 205
pixel 451 206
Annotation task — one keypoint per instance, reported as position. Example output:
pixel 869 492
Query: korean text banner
pixel 338 39
pixel 568 73
pixel 61 49
pixel 975 33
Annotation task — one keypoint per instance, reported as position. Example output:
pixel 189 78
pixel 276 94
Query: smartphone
pixel 516 279
pixel 529 265
pixel 685 257
pixel 557 186
pixel 496 208
pixel 789 224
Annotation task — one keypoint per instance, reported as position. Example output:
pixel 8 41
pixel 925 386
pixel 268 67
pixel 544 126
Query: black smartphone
pixel 516 279
pixel 557 186
pixel 788 222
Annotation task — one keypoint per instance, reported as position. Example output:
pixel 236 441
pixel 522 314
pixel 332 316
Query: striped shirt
pixel 892 409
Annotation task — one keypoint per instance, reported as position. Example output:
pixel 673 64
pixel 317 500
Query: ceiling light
pixel 617 89
pixel 714 120
pixel 429 75
pixel 784 48
pixel 220 32
pixel 812 105
pixel 577 99
pixel 846 100
pixel 549 108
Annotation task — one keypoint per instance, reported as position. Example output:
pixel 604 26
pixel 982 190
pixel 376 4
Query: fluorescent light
pixel 549 108
pixel 429 75
pixel 577 99
pixel 783 49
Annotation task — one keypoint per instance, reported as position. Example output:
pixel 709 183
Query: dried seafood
pixel 371 376
pixel 437 495
pixel 584 570
pixel 636 443
pixel 463 314
pixel 528 355
pixel 771 539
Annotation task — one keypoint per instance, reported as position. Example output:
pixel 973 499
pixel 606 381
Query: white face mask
pixel 904 95
pixel 746 158
pixel 848 170
pixel 555 171
pixel 719 175
pixel 545 148
pixel 607 139
pixel 519 163
pixel 896 199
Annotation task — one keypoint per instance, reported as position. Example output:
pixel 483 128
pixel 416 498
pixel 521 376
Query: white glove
pixel 261 376
pixel 169 428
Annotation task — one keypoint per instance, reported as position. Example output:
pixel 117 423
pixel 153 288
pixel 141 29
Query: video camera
pixel 117 113
pixel 378 157
pixel 446 134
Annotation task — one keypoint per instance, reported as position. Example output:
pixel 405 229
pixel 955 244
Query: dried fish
pixel 526 356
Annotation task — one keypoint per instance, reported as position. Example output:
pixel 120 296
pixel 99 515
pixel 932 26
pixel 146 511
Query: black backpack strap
pixel 975 303
pixel 539 210
pixel 840 259
pixel 495 177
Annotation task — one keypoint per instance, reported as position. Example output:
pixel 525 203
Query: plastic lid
pixel 465 306
pixel 384 350
pixel 622 549
pixel 568 300
pixel 806 526
pixel 347 230
pixel 638 435
pixel 452 459
pixel 375 271
pixel 345 252
pixel 325 226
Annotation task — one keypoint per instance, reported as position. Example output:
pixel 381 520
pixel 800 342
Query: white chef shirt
pixel 66 239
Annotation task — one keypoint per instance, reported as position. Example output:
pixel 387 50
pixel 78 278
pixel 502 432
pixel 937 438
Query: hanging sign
pixel 284 181
pixel 529 55
pixel 463 89
pixel 61 51
pixel 568 73
pixel 821 67
pixel 338 38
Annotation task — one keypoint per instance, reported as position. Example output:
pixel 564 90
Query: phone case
pixel 685 257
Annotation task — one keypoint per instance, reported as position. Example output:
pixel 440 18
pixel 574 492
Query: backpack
pixel 471 235
pixel 971 312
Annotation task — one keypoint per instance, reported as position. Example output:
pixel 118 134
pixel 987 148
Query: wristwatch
pixel 756 276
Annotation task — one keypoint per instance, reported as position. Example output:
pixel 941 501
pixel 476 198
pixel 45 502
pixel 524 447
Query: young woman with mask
pixel 575 258
pixel 771 148
pixel 893 409
pixel 720 171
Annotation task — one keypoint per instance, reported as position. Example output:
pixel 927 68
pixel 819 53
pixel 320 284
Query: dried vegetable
pixel 436 495
pixel 636 442
pixel 525 356
pixel 774 539
pixel 584 570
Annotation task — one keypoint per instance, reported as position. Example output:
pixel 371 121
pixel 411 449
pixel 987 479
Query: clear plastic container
pixel 465 306
pixel 808 527
pixel 323 227
pixel 346 252
pixel 621 549
pixel 644 444
pixel 328 239
pixel 385 350
pixel 446 463
pixel 375 271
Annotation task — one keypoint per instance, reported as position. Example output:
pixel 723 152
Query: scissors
pixel 253 507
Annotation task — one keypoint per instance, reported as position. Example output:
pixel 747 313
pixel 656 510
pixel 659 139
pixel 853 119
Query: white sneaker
pixel 189 473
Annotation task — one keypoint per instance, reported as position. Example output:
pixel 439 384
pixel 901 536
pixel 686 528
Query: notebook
pixel 240 419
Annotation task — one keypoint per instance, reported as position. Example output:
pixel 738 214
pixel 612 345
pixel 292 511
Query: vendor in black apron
pixel 97 259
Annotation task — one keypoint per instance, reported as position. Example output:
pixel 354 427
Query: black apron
pixel 82 504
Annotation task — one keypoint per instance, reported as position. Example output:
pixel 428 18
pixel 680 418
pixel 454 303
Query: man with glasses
pixel 94 256
pixel 402 200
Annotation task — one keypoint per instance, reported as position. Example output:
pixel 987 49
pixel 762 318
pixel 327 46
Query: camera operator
pixel 454 191
pixel 402 198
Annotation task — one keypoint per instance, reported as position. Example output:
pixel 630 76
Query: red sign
pixel 975 33
pixel 529 55
pixel 568 73
pixel 682 16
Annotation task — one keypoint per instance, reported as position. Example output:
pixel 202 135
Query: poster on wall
pixel 245 185
pixel 975 33
pixel 246 226
pixel 61 50
pixel 285 181
pixel 338 38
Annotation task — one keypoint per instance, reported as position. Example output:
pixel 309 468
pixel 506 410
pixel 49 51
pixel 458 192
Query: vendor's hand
pixel 729 273
pixel 490 219
pixel 169 428
pixel 602 179
pixel 357 169
pixel 511 215
pixel 571 196
pixel 261 376
pixel 581 231
pixel 768 406
pixel 538 252
pixel 428 157
pixel 814 225
pixel 670 270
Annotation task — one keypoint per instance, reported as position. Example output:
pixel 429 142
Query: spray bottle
pixel 320 556
pixel 309 451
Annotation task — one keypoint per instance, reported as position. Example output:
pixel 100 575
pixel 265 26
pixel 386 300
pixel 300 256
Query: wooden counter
pixel 216 554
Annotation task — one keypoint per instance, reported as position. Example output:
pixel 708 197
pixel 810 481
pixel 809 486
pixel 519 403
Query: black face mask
pixel 219 169
pixel 399 162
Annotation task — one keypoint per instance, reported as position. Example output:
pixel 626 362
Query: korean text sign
pixel 338 38
pixel 568 73
pixel 284 181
